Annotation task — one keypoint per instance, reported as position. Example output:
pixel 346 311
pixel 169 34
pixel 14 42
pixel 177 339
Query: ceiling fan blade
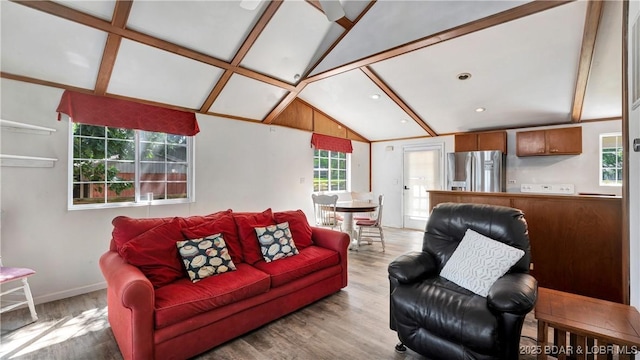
pixel 250 4
pixel 332 9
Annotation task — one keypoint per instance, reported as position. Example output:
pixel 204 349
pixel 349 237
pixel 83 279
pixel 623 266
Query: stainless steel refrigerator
pixel 476 171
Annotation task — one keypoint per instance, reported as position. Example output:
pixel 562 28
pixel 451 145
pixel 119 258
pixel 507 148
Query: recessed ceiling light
pixel 375 96
pixel 464 76
pixel 296 77
pixel 480 109
pixel 404 121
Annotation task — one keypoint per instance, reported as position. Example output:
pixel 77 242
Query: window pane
pixel 176 153
pixel 118 133
pixel 153 136
pixel 152 171
pixel 121 150
pixel 611 142
pixel 609 174
pixel 120 191
pixel 157 188
pixel 176 139
pixel 177 190
pixel 88 148
pixel 89 170
pixel 88 130
pixel 609 160
pixel 152 151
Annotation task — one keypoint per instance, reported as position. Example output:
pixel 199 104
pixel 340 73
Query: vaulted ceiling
pixel 386 70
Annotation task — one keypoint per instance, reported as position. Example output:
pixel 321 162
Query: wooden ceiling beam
pixel 64 12
pixel 242 52
pixel 119 19
pixel 335 43
pixel 293 93
pixel 465 29
pixel 591 24
pixel 217 89
pixel 392 94
pixel 267 15
pixel 30 80
pixel 273 114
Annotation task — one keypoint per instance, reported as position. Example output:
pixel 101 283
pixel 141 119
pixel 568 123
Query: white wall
pixel 634 174
pixel 360 165
pixel 240 165
pixel 581 170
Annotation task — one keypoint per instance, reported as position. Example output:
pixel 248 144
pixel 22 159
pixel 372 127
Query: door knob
pixel 406 187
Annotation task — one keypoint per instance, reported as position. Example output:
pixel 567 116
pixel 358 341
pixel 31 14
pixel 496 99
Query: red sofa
pixel 157 312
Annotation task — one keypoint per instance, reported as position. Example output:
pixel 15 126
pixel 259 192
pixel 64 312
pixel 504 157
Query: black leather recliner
pixel 441 320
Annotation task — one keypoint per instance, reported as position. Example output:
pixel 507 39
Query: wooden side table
pixel 597 328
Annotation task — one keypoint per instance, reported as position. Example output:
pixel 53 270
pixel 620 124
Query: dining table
pixel 350 207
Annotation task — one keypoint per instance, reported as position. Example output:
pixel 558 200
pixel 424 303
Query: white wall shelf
pixel 15 126
pixel 26 161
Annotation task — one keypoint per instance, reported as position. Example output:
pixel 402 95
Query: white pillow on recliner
pixel 479 261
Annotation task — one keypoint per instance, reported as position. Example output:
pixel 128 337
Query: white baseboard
pixel 69 293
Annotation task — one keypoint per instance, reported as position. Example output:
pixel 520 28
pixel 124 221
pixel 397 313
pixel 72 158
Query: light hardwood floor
pixel 351 324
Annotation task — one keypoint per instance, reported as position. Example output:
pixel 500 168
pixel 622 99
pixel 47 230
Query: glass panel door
pixel 423 171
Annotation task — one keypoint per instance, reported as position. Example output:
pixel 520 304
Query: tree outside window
pixel 115 165
pixel 329 171
pixel 611 159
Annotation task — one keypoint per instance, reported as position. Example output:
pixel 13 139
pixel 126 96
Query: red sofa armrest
pixel 131 301
pixel 334 240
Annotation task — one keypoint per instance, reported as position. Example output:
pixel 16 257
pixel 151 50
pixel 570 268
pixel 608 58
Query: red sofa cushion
pixel 221 225
pixel 299 226
pixel 246 223
pixel 310 259
pixel 155 253
pixel 191 221
pixel 183 299
pixel 126 228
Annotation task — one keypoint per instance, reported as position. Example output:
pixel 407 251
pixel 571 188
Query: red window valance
pixel 325 142
pixel 106 111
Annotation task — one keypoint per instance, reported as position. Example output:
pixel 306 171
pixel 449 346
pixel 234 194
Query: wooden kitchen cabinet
pixel 562 141
pixel 576 241
pixel 491 140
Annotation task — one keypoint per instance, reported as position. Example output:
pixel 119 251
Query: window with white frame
pixel 124 166
pixel 329 170
pixel 611 159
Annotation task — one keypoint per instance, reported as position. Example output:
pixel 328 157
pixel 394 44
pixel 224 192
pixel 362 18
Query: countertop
pixel 525 195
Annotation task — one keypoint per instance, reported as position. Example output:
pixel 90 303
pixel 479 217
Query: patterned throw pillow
pixel 276 242
pixel 479 261
pixel 205 257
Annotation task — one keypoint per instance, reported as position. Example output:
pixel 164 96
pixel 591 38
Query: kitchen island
pixel 576 240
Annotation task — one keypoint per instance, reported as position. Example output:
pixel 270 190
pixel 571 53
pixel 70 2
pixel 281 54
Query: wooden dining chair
pixel 324 208
pixel 13 274
pixel 372 228
pixel 366 197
